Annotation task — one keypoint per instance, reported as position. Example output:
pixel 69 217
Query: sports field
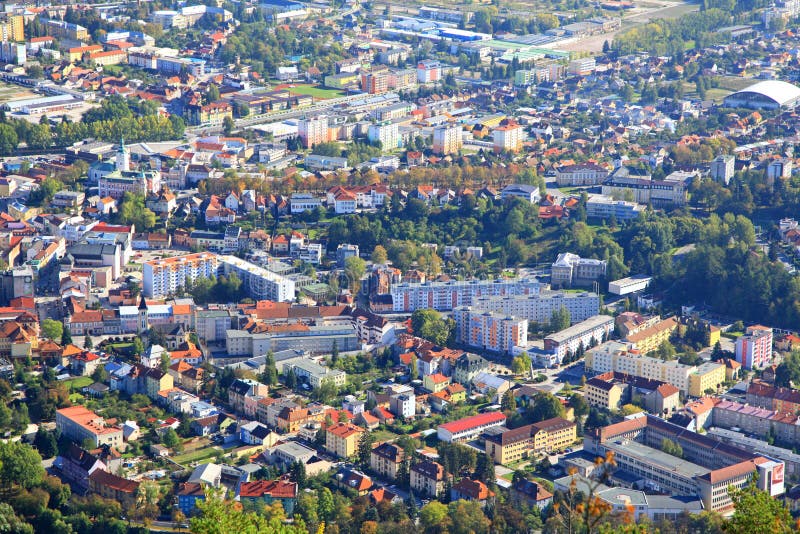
pixel 311 90
pixel 13 92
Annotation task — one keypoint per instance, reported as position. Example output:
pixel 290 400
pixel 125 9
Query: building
pixel 723 168
pixel 631 284
pixel 386 459
pixel 471 490
pixel 429 71
pixel 506 446
pixel 581 174
pixel 469 428
pixel 769 94
pixel 313 131
pixel 672 191
pixel 754 349
pixel 79 424
pixel 539 307
pixel 582 335
pixel 651 338
pixel 259 283
pixel 315 374
pixel 447 139
pixel 427 478
pixel 508 138
pixel 114 488
pixel 269 491
pixel 161 277
pixel 570 269
pixel 386 133
pixel 605 207
pixel 611 391
pixel 529 193
pixel 341 439
pixel 443 296
pixel 488 330
pixel 707 469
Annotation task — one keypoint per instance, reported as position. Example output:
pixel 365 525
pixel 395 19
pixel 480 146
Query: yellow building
pixel 708 376
pixel 603 394
pixel 435 382
pixel 12 28
pixel 651 338
pixel 157 380
pixel 341 439
pixel 520 443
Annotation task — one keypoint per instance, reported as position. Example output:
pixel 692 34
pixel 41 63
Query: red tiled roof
pixel 475 421
pixel 277 489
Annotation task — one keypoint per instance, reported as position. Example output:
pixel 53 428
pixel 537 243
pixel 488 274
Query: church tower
pixel 143 326
pixel 123 157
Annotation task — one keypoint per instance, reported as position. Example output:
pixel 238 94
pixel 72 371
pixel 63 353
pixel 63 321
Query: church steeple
pixel 123 157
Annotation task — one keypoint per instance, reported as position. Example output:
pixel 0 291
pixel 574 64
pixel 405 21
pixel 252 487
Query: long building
pixel 493 331
pixel 469 427
pixel 79 424
pixel 504 445
pixel 539 307
pixel 618 357
pixel 585 334
pixel 164 276
pixel 319 339
pixel 259 283
pixel 708 467
pixel 445 296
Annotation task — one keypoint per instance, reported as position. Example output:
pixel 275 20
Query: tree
pixel 133 211
pixel 52 329
pixel 756 512
pixel 430 325
pixel 8 139
pixel 88 344
pixel 560 319
pixel 468 518
pixel 354 269
pixel 45 442
pixel 171 440
pixel 138 346
pixel 298 472
pixel 20 465
pixel 221 516
pixel 11 523
pixel 545 406
pixel 666 351
pixel 670 447
pixel 379 255
pixel 578 404
pixel 212 94
pixel 66 337
pixel 434 518
pixel 509 402
pixel 228 125
pixel 521 364
pixel 325 505
pixel 365 442
pixel 413 370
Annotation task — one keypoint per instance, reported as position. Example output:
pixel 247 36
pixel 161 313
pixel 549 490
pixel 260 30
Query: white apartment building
pixel 615 356
pixel 315 373
pixel 497 332
pixel 443 296
pixel 313 131
pixel 259 283
pixel 585 334
pixel 388 133
pixel 603 207
pixel 723 168
pixel 539 308
pixel 164 276
pixel 508 138
pixel 447 139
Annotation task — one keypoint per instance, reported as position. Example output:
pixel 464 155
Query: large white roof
pixel 779 91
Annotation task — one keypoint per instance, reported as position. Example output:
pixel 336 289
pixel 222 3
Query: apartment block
pixel 505 446
pixel 313 130
pixel 490 330
pixel 469 427
pixel 259 283
pixel 585 334
pixel 385 459
pixel 387 133
pixel 539 307
pixel 508 138
pixel 161 277
pixel 649 339
pixel 341 439
pixel 443 296
pixel 447 139
pixel 427 478
pixel 754 349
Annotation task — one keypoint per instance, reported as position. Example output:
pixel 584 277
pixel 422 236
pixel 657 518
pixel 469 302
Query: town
pixel 376 267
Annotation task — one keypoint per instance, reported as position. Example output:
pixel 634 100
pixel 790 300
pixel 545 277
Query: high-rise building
pixel 754 349
pixel 161 277
pixel 447 139
pixel 508 138
pixel 12 27
pixel 497 332
pixel 722 168
pixel 442 296
pixel 313 131
pixel 388 133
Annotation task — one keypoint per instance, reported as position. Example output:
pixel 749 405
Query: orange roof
pixel 345 430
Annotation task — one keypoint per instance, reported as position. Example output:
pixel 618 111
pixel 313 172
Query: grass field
pixel 313 90
pixel 12 92
pixel 195 456
pixel 75 384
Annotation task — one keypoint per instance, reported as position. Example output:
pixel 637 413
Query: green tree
pixel 560 319
pixel 20 465
pixel 379 255
pixel 468 518
pixel 413 370
pixel 221 516
pixel 52 329
pixel 8 140
pixel 509 402
pixel 228 125
pixel 133 211
pixel 434 518
pixel 88 344
pixel 45 443
pixel 171 440
pixel 670 447
pixel 66 337
pixel 430 325
pixel 325 505
pixel 138 346
pixel 11 523
pixel 521 364
pixel 545 406
pixel 364 451
pixel 757 512
pixel 354 269
pixel 579 404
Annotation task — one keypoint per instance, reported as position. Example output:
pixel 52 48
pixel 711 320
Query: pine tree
pixel 365 448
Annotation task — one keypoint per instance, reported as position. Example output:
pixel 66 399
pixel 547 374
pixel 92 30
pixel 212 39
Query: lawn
pixel 75 384
pixel 314 90
pixel 195 456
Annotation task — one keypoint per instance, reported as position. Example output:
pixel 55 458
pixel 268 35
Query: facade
pixel 427 478
pixel 651 338
pixel 260 283
pixel 723 168
pixel 268 492
pixel 490 330
pixel 581 174
pixel 505 446
pixel 387 133
pixel 443 296
pixel 469 427
pixel 570 269
pixel 385 459
pixel 585 334
pixel 528 193
pixel 604 207
pixel 79 424
pixel 313 131
pixel 754 349
pixel 539 307
pixel 341 439
pixel 314 373
pixel 447 140
pixel 508 138
pixel 164 276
